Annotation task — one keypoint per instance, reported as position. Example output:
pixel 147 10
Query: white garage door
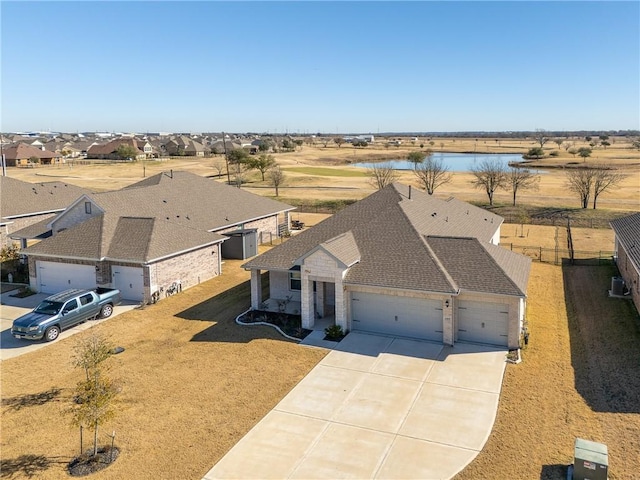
pixel 483 322
pixel 403 316
pixel 54 277
pixel 130 282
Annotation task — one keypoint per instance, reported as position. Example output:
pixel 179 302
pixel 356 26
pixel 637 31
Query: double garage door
pixel 392 315
pixel 54 277
pixel 482 322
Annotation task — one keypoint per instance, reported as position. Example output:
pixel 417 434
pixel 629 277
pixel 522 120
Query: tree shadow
pixel 553 472
pixel 31 399
pixel 28 465
pixel 604 335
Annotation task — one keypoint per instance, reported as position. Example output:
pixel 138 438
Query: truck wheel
pixel 51 333
pixel 106 311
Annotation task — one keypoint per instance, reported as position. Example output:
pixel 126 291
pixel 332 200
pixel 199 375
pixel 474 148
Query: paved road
pixel 377 407
pixel 11 308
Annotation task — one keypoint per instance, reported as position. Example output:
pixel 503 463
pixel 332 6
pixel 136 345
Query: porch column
pixel 321 289
pixel 256 289
pixel 306 303
pixel 341 305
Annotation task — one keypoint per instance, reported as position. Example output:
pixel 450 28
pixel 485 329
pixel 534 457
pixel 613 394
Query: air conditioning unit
pixel 591 460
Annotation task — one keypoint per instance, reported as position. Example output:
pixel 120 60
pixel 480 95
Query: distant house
pixel 110 150
pixel 20 154
pixel 185 146
pixel 401 262
pixel 166 229
pixel 23 204
pixel 627 253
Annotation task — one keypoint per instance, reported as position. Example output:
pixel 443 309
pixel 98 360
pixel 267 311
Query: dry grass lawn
pixel 579 378
pixel 194 383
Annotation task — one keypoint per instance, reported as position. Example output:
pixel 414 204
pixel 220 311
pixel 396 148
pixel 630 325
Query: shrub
pixel 334 332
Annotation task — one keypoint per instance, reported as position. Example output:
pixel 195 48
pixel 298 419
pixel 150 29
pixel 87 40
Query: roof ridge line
pixel 448 276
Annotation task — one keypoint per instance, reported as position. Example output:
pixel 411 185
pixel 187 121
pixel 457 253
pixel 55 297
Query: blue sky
pixel 307 67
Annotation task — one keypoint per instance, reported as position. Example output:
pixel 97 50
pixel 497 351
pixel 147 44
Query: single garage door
pixel 54 277
pixel 391 315
pixel 483 322
pixel 130 282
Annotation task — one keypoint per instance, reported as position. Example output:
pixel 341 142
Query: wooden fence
pixel 559 256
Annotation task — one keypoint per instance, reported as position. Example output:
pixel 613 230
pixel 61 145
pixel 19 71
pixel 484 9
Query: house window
pixel 295 279
pixel 87 207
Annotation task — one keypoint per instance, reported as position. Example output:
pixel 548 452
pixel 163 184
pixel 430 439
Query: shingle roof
pixel 343 247
pixel 190 200
pixel 21 150
pixel 18 198
pixel 133 239
pixel 389 230
pixel 482 267
pixel 627 230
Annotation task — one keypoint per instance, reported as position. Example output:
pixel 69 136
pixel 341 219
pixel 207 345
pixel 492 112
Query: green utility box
pixel 591 460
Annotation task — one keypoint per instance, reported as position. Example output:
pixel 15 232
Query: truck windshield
pixel 48 308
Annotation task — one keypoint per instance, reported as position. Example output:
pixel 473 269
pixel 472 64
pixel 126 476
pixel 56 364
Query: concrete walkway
pixel 377 407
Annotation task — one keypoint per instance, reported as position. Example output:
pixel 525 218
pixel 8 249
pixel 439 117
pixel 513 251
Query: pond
pixel 456 162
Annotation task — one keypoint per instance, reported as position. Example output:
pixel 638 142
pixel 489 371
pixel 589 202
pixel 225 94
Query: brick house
pixel 164 230
pixel 404 263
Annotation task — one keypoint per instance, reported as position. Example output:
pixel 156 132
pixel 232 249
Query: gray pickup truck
pixel 65 310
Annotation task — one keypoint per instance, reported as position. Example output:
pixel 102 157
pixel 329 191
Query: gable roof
pixel 343 248
pixel 129 239
pixel 482 267
pixel 390 229
pixel 18 198
pixel 22 150
pixel 627 230
pixel 190 200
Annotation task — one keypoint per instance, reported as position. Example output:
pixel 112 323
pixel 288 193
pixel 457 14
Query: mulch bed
pixel 86 464
pixel 289 324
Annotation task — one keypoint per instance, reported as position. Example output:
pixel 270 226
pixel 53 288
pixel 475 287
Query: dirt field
pixel 579 378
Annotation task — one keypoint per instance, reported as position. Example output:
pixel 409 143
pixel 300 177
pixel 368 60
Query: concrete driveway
pixel 12 308
pixel 377 407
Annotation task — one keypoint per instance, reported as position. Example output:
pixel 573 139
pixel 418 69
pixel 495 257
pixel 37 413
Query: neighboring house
pixel 23 204
pixel 186 146
pixel 19 154
pixel 164 230
pixel 627 253
pixel 402 262
pixel 110 150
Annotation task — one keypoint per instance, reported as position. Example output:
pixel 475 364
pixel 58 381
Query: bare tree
pixel 490 175
pixel 580 181
pixel 432 173
pixel 382 174
pixel 559 142
pixel 219 165
pixel 276 177
pixel 603 179
pixel 541 137
pixel 338 141
pixel 521 179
